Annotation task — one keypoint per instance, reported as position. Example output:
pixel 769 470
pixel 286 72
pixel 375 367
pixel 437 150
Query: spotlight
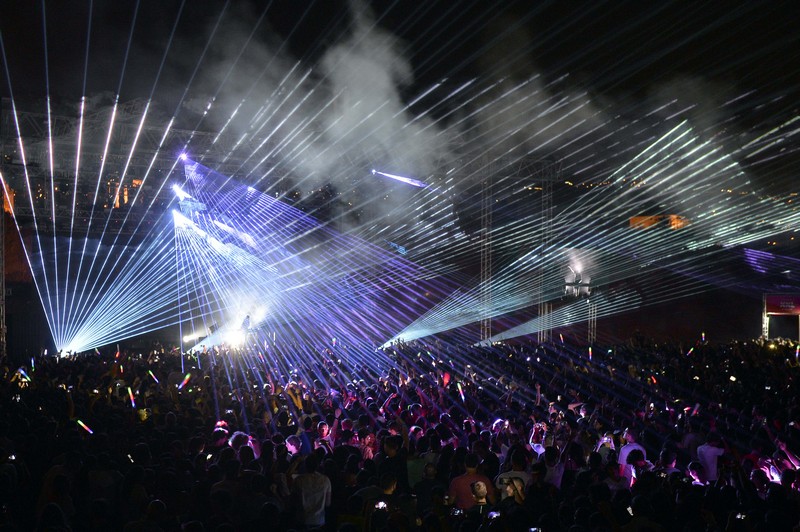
pixel 180 193
pixel 193 336
pixel 406 180
pixel 183 157
pixel 180 220
pixel 235 337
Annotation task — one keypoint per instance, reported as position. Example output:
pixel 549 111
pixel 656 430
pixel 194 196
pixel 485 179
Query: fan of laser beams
pixel 680 179
pixel 92 250
pixel 243 253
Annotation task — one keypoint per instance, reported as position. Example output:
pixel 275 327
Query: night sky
pixel 628 57
pixel 612 46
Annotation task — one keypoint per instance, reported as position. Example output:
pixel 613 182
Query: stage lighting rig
pixel 576 283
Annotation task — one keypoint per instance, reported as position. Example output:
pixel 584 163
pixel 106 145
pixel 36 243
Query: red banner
pixel 782 304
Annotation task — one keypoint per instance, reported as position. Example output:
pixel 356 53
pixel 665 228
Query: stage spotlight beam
pixel 180 193
pixel 406 180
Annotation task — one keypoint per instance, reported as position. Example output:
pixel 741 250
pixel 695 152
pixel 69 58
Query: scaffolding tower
pixel 486 258
pixel 592 335
pixel 549 173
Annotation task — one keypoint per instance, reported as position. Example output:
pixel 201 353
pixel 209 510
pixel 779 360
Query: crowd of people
pixel 418 435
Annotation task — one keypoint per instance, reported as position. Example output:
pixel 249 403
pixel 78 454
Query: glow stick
pixel 461 392
pixel 149 372
pixel 185 380
pixel 85 427
pixel 690 351
pixel 562 337
pixel 703 336
pixel 130 394
pixel 23 374
pixel 590 353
